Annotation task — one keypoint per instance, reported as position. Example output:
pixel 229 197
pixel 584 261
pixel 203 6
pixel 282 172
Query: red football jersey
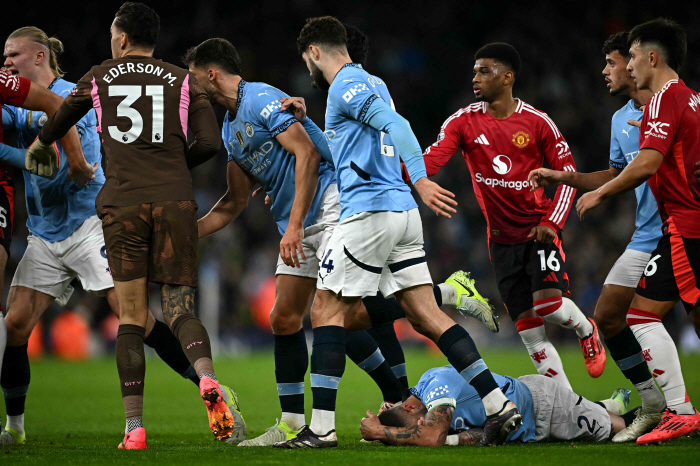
pixel 13 91
pixel 671 125
pixel 500 154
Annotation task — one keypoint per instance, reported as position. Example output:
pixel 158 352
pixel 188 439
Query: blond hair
pixel 54 46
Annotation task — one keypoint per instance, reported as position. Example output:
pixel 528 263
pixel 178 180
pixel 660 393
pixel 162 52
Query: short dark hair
pixel 357 43
pixel 502 53
pixel 218 52
pixel 665 33
pixel 617 42
pixel 139 22
pixel 324 30
pixel 394 417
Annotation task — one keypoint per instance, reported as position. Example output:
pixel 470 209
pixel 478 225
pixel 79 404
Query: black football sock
pixel 327 365
pixel 389 344
pixel 363 351
pixel 629 416
pixel 438 295
pixel 168 348
pixel 15 379
pixel 291 363
pixel 461 351
pixel 627 353
pixel 381 310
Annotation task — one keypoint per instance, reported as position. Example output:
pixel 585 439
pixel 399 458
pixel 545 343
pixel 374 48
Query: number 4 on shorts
pixel 327 264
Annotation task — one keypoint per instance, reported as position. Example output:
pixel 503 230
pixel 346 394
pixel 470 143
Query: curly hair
pixel 357 43
pixel 617 42
pixel 325 31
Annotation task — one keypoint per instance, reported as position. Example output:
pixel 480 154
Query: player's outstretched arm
pixel 637 172
pixel 586 181
pixel 231 204
pixel 382 117
pixel 297 142
pixel 431 432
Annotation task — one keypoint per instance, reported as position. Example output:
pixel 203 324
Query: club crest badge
pixel 249 130
pixel 521 139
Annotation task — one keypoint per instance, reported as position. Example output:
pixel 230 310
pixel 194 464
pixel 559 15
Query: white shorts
pixel 316 237
pixel 628 269
pixel 561 415
pixel 51 267
pixel 374 251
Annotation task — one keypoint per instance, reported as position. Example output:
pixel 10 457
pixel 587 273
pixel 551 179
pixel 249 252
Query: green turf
pixel 74 416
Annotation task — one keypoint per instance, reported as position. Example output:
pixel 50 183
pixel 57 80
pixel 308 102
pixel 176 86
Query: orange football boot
pixel 672 426
pixel 593 352
pixel 134 440
pixel 220 419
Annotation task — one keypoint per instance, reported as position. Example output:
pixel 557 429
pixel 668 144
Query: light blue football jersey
pixel 251 142
pixel 367 164
pixel 444 385
pixel 624 147
pixel 57 207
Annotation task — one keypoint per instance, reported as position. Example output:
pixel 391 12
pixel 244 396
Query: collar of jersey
pixel 354 65
pixel 53 82
pixel 241 85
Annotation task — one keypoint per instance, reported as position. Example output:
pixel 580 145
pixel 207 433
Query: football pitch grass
pixel 75 416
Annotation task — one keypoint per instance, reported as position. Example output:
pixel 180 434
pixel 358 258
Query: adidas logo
pixel 551 278
pixel 482 140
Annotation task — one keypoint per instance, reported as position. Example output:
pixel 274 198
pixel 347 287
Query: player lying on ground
pixel 668 149
pixel 644 344
pixel 292 161
pixel 147 205
pixel 378 243
pixel 66 240
pixel 501 139
pixel 442 409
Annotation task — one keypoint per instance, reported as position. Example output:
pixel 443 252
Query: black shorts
pixel 522 269
pixel 7 214
pixel 673 272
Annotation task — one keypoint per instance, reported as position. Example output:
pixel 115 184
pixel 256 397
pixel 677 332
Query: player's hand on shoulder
pixel 297 104
pixel 543 177
pixel 588 201
pixel 369 425
pixel 542 234
pixel 636 123
pixel 440 200
pixel 291 244
pixel 697 172
pixel 82 175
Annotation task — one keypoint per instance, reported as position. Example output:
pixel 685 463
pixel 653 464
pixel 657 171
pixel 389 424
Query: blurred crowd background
pixel 424 52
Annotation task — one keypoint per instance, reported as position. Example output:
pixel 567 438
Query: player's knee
pixel 284 320
pixel 18 327
pixel 609 323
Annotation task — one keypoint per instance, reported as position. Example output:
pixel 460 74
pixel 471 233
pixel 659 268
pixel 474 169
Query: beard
pixel 317 79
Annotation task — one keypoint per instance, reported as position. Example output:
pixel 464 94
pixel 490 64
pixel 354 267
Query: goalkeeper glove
pixel 41 158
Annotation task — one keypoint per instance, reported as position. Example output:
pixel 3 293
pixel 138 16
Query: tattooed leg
pixel 470 436
pixel 178 312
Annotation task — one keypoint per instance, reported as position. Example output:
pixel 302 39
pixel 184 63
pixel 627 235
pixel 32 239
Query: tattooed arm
pixel 432 432
pixel 470 436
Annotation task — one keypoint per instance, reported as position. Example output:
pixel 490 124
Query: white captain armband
pixel 442 401
pixel 452 440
